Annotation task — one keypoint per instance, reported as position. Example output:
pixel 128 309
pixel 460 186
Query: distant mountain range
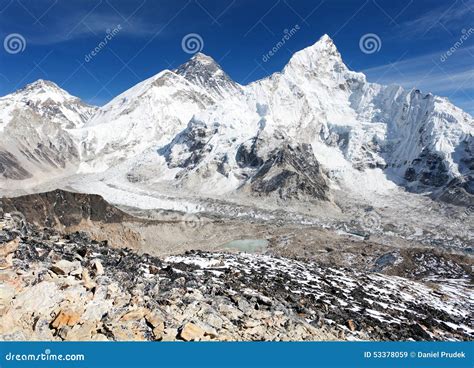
pixel 299 134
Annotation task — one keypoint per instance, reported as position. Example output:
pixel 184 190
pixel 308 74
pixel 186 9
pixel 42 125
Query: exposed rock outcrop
pixel 291 172
pixel 63 209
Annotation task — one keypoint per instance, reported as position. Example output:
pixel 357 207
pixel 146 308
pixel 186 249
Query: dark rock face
pixel 10 168
pixel 410 174
pixel 247 155
pixel 222 165
pixel 289 171
pixel 194 138
pixel 428 169
pixel 292 172
pixel 203 71
pixel 62 208
pixel 459 191
pixel 466 151
pixel 463 187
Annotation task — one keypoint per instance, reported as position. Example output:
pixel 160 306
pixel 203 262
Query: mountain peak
pixel 322 56
pixel 42 84
pixel 204 71
pixel 199 63
pixel 203 58
pixel 48 100
pixel 42 89
pixel 325 39
pixel 324 44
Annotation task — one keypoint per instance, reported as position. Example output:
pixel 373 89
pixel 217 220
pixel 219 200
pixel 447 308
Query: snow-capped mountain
pixel 47 100
pixel 35 125
pixel 314 127
pixel 328 116
pixel 204 72
pixel 151 113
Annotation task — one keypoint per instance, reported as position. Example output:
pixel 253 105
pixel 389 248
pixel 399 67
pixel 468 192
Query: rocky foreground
pixel 58 287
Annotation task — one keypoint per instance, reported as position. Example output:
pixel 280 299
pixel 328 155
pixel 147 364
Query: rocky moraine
pixel 69 287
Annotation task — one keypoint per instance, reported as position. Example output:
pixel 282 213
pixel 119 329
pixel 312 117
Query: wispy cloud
pixel 75 27
pixel 56 26
pixel 448 17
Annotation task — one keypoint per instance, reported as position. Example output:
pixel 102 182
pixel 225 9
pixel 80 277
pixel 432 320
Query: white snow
pixel 179 131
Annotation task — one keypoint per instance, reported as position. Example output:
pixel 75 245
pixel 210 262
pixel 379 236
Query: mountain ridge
pixel 417 141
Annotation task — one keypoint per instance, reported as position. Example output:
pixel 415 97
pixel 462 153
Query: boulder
pixel 157 324
pixel 66 318
pixel 9 247
pixel 99 337
pixel 230 312
pixel 190 332
pixel 99 269
pixel 39 299
pixel 88 283
pixel 209 331
pixel 134 315
pixel 64 267
pixel 351 325
pixel 83 332
pixel 96 309
pixel 169 334
pixel 129 331
pixel 42 329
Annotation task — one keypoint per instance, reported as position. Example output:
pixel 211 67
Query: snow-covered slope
pixel 35 132
pixel 350 130
pixel 303 133
pixel 47 100
pixel 151 113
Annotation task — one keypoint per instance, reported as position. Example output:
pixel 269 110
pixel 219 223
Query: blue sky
pixel 145 37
